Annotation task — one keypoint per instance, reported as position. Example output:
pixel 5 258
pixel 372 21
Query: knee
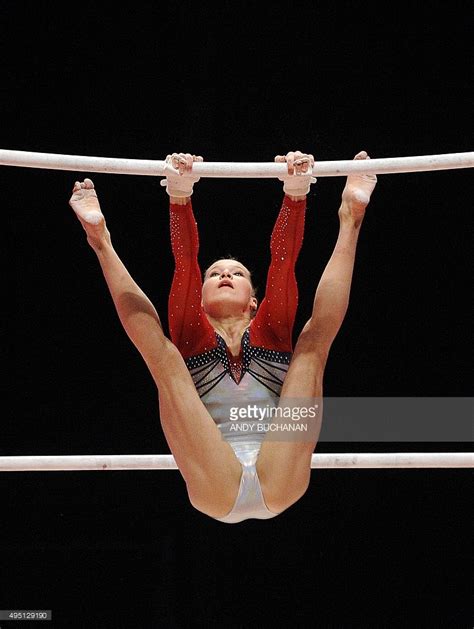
pixel 167 362
pixel 169 353
pixel 313 339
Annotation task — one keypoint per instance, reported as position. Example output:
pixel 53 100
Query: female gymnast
pixel 225 349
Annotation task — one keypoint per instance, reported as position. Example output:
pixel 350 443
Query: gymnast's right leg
pixel 207 463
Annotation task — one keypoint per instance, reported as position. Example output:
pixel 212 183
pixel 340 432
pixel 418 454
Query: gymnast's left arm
pixel 273 325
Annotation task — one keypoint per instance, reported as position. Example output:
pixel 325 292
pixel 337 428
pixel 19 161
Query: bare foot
pixel 85 203
pixel 356 194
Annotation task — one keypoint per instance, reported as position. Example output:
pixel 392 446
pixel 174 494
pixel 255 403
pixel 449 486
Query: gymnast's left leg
pixel 284 467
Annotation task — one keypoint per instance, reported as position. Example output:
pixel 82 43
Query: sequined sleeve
pixel 190 330
pixel 273 324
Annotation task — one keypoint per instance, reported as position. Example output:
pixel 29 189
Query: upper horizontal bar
pixel 113 165
pixel 167 462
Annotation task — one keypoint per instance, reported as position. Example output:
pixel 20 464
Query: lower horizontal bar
pixel 166 461
pixel 113 165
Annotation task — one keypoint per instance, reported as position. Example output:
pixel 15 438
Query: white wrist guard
pixel 297 185
pixel 180 186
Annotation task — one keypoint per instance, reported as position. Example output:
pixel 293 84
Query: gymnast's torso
pixel 234 389
pixel 253 379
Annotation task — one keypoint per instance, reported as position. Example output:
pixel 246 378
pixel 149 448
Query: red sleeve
pixel 190 330
pixel 272 327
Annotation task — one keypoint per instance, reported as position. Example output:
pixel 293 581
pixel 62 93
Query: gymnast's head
pixel 228 290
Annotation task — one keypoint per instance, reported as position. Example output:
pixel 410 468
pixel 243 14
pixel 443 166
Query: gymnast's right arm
pixel 136 312
pixel 189 328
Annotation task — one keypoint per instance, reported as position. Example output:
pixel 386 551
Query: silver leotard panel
pixel 263 372
pixel 250 502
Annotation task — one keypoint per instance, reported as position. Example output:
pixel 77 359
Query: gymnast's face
pixel 227 290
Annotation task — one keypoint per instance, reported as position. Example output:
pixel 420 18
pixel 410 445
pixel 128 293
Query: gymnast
pixel 226 349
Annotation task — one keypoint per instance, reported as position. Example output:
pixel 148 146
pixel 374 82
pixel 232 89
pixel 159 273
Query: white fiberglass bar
pixel 112 165
pixel 167 462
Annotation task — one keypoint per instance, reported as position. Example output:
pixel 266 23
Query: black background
pixel 232 82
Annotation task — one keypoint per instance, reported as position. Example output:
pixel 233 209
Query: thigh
pixel 306 370
pixel 207 463
pixel 284 464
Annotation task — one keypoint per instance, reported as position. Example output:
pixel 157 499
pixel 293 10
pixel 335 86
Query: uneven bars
pixel 112 165
pixel 166 461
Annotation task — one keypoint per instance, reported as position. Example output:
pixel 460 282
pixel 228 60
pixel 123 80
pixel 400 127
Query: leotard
pixel 253 378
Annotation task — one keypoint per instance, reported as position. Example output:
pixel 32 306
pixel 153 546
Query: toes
pixel 87 184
